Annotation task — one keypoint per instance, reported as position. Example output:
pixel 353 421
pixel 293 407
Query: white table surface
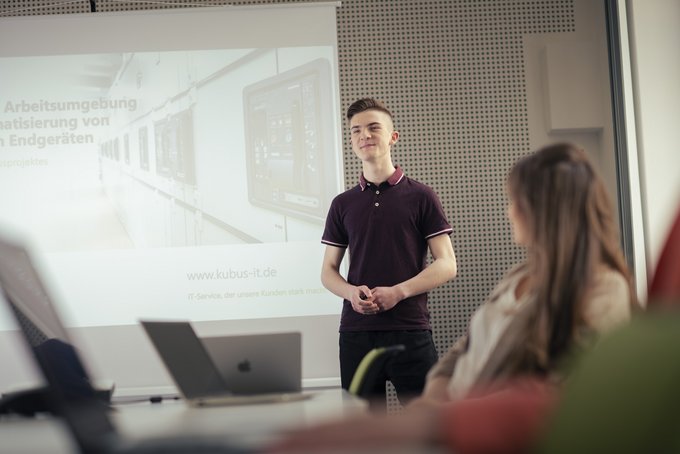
pixel 248 425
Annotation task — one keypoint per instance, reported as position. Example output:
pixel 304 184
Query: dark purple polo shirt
pixel 386 229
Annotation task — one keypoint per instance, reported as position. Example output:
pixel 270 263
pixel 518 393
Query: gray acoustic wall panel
pixel 452 71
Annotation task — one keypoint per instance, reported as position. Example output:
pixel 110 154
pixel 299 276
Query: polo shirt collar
pixel 393 180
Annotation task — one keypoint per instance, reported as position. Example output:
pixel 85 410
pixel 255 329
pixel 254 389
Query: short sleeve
pixel 334 233
pixel 434 219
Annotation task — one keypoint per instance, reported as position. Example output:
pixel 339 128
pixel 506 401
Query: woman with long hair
pixel 573 284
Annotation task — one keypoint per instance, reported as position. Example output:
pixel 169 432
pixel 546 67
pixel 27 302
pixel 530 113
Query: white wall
pixel 654 40
pixel 568 92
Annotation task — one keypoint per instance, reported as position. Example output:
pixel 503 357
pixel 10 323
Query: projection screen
pixel 174 164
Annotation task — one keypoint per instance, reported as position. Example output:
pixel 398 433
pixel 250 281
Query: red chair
pixel 664 288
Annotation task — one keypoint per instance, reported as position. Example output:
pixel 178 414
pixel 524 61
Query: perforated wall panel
pixel 452 71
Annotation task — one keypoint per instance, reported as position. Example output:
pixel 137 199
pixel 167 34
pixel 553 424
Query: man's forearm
pixel 439 272
pixel 336 284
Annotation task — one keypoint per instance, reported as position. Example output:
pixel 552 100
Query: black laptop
pixel 69 389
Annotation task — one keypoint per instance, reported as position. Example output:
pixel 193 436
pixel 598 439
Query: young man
pixel 388 222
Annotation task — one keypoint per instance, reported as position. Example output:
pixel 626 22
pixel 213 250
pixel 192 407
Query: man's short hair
pixel 364 104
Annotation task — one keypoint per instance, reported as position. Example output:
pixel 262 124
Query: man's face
pixel 372 135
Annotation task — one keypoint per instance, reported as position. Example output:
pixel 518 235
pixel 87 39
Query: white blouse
pixel 607 306
pixel 486 326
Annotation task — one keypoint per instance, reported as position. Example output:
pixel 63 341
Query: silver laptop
pixel 229 370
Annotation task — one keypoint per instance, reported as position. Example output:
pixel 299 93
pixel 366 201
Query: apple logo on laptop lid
pixel 243 366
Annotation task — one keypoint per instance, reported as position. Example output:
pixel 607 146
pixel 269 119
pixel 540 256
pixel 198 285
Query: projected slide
pixel 174 149
pixel 176 182
pixel 175 164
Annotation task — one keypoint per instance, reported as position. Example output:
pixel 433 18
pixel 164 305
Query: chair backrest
pixel 623 394
pixel 367 371
pixel 664 288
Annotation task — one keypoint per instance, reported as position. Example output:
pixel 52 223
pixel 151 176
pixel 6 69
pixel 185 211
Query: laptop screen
pixel 186 359
pixel 72 395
